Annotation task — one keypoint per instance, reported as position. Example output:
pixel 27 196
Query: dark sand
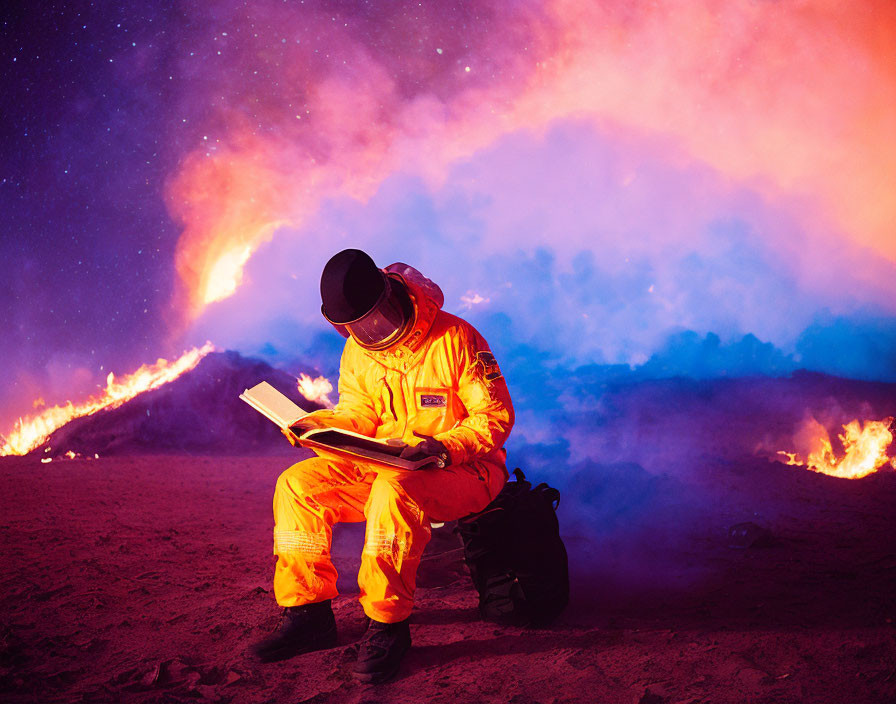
pixel 144 579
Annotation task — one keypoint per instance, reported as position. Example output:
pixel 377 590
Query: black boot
pixel 381 651
pixel 301 630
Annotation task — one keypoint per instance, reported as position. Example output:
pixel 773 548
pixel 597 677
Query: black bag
pixel 516 557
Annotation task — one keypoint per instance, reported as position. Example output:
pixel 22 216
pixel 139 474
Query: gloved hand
pixel 428 447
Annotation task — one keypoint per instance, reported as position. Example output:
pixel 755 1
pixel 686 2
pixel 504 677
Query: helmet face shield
pixel 386 322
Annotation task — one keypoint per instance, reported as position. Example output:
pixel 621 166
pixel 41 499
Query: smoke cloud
pixel 598 185
pixel 707 280
pixel 700 190
pixel 789 103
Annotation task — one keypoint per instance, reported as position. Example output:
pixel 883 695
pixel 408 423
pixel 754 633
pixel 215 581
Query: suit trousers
pixel 398 506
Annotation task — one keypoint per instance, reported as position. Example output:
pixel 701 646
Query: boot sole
pixel 378 677
pixel 325 642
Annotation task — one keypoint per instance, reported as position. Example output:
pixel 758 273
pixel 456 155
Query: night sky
pixel 89 134
pixel 703 190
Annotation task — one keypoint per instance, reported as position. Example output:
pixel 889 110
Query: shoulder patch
pixel 488 366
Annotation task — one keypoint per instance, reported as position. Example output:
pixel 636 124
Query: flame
pixel 28 433
pixel 230 205
pixel 316 390
pixel 864 447
pixel 226 274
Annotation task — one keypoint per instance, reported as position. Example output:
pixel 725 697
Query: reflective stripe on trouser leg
pixel 397 533
pixel 310 496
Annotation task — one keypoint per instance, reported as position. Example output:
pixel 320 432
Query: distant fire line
pixel 28 433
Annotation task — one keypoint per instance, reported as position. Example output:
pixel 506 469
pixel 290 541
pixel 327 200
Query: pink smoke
pixel 796 101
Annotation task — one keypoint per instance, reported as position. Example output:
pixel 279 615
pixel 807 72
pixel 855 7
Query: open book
pixel 265 399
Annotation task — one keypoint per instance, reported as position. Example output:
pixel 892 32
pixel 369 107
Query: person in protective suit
pixel 411 372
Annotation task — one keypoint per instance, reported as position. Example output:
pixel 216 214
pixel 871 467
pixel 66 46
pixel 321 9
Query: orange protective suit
pixel 439 380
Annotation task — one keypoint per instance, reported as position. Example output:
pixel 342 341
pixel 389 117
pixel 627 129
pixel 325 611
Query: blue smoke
pixel 578 248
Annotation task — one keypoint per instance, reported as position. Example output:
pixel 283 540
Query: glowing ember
pixel 316 390
pixel 30 432
pixel 864 448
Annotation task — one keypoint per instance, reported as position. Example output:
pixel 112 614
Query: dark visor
pixel 388 318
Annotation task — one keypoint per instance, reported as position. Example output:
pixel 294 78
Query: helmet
pixel 374 308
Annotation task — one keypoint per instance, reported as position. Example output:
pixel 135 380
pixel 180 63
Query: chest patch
pixel 433 400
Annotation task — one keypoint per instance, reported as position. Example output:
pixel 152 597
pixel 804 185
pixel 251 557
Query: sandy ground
pixel 145 579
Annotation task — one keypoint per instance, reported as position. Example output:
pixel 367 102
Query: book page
pixel 265 399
